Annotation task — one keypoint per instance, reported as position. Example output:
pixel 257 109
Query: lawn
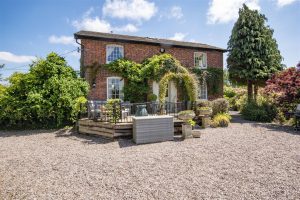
pixel 244 161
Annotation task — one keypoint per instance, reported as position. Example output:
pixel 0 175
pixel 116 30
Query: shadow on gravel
pixel 86 139
pixel 128 142
pixel 276 127
pixel 18 133
pixel 237 119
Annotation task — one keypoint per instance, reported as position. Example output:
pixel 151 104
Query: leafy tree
pixel 284 88
pixel 253 52
pixel 2 90
pixel 47 96
pixel 1 66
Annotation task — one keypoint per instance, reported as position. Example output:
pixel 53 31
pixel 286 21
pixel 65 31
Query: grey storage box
pixel 149 129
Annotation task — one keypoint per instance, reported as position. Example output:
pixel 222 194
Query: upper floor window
pixel 200 60
pixel 114 52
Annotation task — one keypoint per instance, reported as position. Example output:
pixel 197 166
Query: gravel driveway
pixel 244 161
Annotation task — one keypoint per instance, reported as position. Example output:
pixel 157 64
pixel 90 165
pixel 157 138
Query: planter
pixel 206 121
pixel 205 112
pixel 196 133
pixel 186 116
pixel 187 131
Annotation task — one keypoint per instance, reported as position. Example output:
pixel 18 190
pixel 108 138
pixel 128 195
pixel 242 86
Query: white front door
pixel 171 94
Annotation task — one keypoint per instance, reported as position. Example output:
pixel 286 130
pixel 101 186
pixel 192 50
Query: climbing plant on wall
pixel 187 79
pixel 213 77
pixel 136 87
pixel 158 67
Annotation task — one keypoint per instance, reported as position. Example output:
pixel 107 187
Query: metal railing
pixel 122 112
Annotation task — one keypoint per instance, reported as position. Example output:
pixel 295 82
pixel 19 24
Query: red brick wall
pixel 95 52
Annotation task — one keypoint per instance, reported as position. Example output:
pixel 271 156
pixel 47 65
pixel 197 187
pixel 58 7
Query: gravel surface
pixel 245 161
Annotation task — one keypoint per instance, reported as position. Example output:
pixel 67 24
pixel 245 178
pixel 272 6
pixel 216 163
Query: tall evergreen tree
pixel 253 52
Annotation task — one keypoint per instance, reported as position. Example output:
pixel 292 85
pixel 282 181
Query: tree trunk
pixel 250 91
pixel 255 92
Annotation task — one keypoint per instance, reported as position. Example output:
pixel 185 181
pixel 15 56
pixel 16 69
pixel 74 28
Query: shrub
pixel 240 101
pixel 221 120
pixel 280 118
pixel 113 109
pixel 152 97
pixel 229 92
pixel 191 122
pixel 2 89
pixel 220 105
pixel 284 89
pixel 263 112
pixel 45 97
pixel 235 96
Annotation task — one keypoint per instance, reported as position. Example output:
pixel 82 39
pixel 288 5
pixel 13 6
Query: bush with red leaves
pixel 284 88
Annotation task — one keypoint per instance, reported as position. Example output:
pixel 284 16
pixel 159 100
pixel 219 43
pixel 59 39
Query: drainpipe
pixel 82 70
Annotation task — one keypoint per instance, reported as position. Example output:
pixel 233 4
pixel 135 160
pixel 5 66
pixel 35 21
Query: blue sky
pixel 33 28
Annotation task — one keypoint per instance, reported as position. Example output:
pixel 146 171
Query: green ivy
pixel 213 77
pixel 154 68
pixel 188 80
pixel 157 66
pixel 136 88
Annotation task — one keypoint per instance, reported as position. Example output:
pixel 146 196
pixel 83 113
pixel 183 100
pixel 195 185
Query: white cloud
pixel 89 23
pixel 282 3
pixel 130 9
pixel 92 24
pixel 178 36
pixel 223 12
pixel 10 57
pixel 61 39
pixel 176 12
pixel 127 28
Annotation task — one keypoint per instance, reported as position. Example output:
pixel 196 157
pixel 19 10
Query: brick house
pixel 101 48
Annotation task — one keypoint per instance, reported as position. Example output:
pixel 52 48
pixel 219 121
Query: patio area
pixel 244 161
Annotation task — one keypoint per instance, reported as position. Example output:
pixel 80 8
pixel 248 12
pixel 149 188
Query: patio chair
pixel 93 110
pixel 126 108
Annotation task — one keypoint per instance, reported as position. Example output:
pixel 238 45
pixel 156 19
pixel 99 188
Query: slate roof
pixel 147 40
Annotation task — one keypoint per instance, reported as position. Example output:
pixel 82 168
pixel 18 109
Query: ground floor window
pixel 115 88
pixel 203 91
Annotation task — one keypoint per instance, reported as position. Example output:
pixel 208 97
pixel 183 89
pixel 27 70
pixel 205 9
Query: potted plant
pixel 152 97
pixel 185 115
pixel 187 127
pixel 204 110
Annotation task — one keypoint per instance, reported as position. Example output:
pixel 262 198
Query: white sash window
pixel 200 60
pixel 114 52
pixel 115 88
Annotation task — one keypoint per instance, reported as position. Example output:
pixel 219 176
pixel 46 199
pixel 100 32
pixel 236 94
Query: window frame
pixel 206 91
pixel 200 53
pixel 121 94
pixel 112 45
